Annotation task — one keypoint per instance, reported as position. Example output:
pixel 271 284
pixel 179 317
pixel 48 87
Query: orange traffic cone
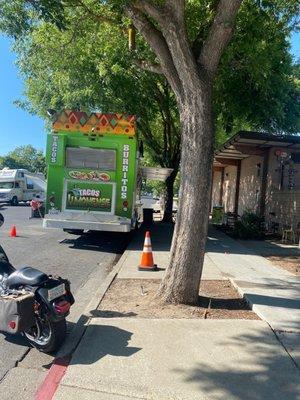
pixel 147 263
pixel 13 231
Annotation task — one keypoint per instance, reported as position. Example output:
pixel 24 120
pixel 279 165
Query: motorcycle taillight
pixel 62 307
pixel 12 325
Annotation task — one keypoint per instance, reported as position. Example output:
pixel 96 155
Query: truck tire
pixel 14 201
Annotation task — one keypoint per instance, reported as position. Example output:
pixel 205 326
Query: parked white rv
pixel 20 185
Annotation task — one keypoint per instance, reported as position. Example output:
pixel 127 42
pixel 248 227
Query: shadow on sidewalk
pixel 15 339
pixel 219 242
pixel 161 237
pixel 111 314
pixel 102 340
pixel 273 301
pixel 272 288
pixel 262 370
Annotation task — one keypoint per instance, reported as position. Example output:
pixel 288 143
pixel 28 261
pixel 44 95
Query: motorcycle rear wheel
pixel 47 335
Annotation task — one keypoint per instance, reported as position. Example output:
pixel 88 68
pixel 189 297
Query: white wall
pixel 250 184
pixel 216 187
pixel 229 188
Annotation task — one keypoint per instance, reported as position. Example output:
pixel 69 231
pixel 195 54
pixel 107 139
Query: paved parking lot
pixel 85 260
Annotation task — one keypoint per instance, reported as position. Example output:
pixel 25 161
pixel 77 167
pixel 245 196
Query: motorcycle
pixel 34 304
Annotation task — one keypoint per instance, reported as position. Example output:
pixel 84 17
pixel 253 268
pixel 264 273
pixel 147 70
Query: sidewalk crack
pixel 140 397
pixel 282 344
pixel 16 364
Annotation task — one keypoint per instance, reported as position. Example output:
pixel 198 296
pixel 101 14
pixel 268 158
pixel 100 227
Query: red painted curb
pixel 55 374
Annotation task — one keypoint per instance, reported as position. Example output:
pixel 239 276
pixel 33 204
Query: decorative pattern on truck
pixel 85 195
pixel 69 120
pixel 90 176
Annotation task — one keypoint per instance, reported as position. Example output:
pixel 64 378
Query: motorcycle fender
pixel 42 293
pixel 69 297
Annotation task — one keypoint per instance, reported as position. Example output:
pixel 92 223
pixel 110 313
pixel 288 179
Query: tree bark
pixel 189 239
pixel 168 213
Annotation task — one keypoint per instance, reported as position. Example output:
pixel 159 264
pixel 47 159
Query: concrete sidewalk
pixel 187 359
pixel 161 237
pixel 125 358
pixel 273 292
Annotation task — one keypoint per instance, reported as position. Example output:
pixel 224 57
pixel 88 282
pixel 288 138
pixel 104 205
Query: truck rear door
pixel 89 183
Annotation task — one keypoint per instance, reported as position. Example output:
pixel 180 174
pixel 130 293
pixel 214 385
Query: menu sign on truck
pixel 86 195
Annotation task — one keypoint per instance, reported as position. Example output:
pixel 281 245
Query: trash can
pixel 148 216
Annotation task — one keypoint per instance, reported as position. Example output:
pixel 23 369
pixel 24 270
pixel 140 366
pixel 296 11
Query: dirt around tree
pixel 287 258
pixel 288 262
pixel 136 298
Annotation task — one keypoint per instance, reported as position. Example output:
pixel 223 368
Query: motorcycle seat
pixel 26 276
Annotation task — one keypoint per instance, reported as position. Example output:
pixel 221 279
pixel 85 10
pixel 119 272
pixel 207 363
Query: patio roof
pixel 246 143
pixel 156 173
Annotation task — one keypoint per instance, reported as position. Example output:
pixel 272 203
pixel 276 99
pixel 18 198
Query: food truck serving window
pixel 77 157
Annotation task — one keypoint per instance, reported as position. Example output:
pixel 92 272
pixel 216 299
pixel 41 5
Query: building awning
pixel 245 144
pixel 156 173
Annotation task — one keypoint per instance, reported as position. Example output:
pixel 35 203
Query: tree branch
pixel 173 32
pixel 96 17
pixel 158 44
pixel 177 8
pixel 148 135
pixel 145 65
pixel 219 35
pixel 150 9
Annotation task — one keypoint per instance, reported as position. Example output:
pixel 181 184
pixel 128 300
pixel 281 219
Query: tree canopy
pixel 26 157
pixel 78 56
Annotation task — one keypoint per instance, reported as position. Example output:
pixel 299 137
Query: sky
pixel 17 126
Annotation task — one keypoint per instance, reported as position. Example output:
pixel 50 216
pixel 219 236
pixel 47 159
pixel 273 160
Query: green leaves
pixel 75 54
pixel 255 82
pixel 26 157
pixel 18 17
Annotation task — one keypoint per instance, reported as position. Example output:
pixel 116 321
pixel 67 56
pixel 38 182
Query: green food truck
pixel 93 180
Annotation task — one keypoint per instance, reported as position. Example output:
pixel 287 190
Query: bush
pixel 250 226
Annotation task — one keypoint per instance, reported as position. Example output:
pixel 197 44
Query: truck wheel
pixel 14 201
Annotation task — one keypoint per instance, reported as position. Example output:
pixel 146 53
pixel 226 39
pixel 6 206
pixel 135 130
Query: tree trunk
pixel 168 212
pixel 182 279
pixel 190 77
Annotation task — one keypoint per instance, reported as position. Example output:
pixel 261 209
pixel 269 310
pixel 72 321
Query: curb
pixel 84 319
pixel 248 301
pixel 48 387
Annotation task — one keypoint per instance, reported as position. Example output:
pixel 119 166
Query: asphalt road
pixel 85 260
